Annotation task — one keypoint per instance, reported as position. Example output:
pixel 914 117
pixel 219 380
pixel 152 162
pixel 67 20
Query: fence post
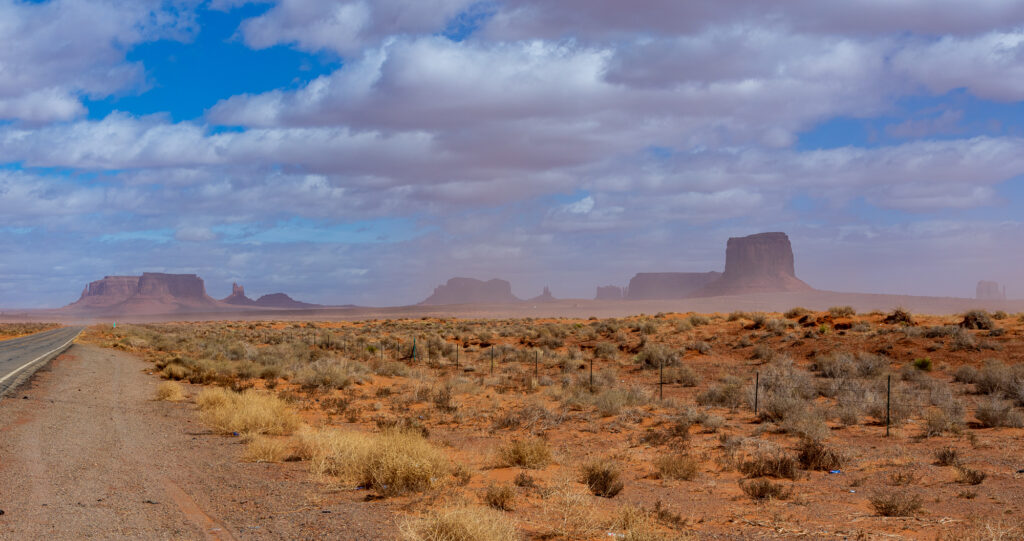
pixel 661 380
pixel 591 374
pixel 457 347
pixel 413 349
pixel 757 385
pixel 536 365
pixel 888 399
pixel 492 360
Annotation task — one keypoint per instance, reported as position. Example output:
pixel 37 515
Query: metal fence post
pixel 492 360
pixel 661 380
pixel 888 401
pixel 757 385
pixel 536 365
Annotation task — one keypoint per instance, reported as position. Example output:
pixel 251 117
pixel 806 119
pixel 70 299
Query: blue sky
pixel 364 151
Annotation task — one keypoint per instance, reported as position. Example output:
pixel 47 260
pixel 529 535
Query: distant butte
pixel 761 263
pixel 472 291
pixel 156 293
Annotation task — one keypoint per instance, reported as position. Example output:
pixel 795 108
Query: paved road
pixel 19 357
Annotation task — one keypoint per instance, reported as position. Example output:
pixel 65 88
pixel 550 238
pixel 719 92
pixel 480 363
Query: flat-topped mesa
pixel 667 285
pixel 237 296
pixel 108 291
pixel 990 291
pixel 608 293
pixel 178 286
pixel 760 263
pixel 472 291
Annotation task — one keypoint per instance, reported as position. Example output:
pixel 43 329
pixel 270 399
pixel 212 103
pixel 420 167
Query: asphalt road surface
pixel 19 357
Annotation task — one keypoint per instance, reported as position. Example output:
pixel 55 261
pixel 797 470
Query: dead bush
pixel 763 489
pixel 603 478
pixel 500 497
pixel 947 456
pixel 770 462
pixel 895 503
pixel 815 455
pixel 266 449
pixel 995 412
pixel 529 453
pixel 679 466
pixel 969 476
pixel 978 320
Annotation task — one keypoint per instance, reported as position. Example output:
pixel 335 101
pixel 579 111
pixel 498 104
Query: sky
pixel 363 152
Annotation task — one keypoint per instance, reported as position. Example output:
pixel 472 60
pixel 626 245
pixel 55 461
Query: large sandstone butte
pixel 608 293
pixel 151 293
pixel 472 291
pixel 990 291
pixel 668 285
pixel 280 300
pixel 237 296
pixel 761 263
pixel 545 296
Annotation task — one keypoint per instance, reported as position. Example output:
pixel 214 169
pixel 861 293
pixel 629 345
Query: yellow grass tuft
pixel 266 449
pixel 392 462
pixel 250 412
pixel 530 453
pixel 460 524
pixel 170 391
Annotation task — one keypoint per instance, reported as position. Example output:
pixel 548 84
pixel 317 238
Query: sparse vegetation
pixel 896 503
pixel 170 391
pixel 249 412
pixel 460 524
pixel 525 453
pixel 603 478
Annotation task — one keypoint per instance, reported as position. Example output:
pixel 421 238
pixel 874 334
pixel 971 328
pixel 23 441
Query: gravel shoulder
pixel 85 453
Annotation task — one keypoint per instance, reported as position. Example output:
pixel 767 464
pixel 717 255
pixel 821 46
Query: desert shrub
pixel 266 449
pixel 763 353
pixel 530 453
pixel 815 455
pixel 656 355
pixel 965 374
pixel 899 316
pixel 392 462
pixel 170 391
pixel 176 371
pixel 460 524
pixel 605 350
pixel 941 331
pixel 680 466
pixel 977 319
pixel 682 374
pixel 525 480
pixel 922 363
pixel 603 478
pixel 842 311
pixel 969 476
pixel 250 412
pixel 770 462
pixel 996 412
pixel 331 374
pixel 895 503
pixel 963 340
pixel 699 346
pixel 763 489
pixel 947 456
pixel 500 497
pixel 796 312
pixel 728 393
pixel 697 320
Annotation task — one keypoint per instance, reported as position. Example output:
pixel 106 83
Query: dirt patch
pixel 88 454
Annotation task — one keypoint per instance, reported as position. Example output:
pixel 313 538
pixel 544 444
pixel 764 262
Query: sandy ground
pixel 85 453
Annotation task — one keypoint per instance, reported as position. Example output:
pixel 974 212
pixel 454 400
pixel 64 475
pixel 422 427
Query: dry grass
pixel 392 462
pixel 266 449
pixel 678 466
pixel 170 391
pixel 460 524
pixel 763 489
pixel 896 503
pixel 530 453
pixel 250 412
pixel 603 478
pixel 500 497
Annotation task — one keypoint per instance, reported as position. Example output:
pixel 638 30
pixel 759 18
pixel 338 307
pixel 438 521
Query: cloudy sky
pixel 364 151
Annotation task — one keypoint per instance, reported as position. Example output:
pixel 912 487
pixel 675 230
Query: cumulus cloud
pixel 59 51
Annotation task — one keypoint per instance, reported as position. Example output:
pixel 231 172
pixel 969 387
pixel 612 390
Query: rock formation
pixel 151 293
pixel 237 297
pixel 758 263
pixel 990 291
pixel 668 285
pixel 608 293
pixel 280 300
pixel 546 296
pixel 472 291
